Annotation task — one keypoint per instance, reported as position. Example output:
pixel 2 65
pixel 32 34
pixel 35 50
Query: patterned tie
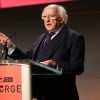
pixel 48 38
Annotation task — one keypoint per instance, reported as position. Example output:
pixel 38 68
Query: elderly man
pixel 59 47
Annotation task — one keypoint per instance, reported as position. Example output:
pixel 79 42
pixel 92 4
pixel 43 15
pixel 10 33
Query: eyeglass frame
pixel 52 17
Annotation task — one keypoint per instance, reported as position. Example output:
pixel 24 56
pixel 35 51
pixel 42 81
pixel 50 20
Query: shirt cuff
pixel 11 50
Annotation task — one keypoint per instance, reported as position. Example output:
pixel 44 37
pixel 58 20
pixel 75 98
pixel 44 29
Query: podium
pixel 16 77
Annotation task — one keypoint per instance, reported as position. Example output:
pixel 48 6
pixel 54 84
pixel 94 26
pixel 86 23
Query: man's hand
pixel 50 63
pixel 5 39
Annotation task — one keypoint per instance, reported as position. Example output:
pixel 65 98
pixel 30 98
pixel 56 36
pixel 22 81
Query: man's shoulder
pixel 74 32
pixel 74 35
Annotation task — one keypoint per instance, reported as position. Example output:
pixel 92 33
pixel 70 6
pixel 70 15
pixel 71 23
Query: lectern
pixel 16 78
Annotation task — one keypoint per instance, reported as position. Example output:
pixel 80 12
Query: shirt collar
pixel 57 31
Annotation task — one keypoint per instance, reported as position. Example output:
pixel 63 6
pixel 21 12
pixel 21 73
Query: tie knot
pixel 50 34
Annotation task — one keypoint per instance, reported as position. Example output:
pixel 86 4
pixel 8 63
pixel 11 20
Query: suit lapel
pixel 37 44
pixel 56 42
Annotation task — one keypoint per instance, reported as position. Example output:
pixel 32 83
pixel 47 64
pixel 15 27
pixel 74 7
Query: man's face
pixel 52 21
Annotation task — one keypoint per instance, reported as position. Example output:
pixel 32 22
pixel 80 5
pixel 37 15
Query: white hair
pixel 61 11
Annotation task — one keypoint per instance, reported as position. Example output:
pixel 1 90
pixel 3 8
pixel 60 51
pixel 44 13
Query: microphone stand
pixel 4 52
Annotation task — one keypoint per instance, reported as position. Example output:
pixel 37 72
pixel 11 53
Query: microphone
pixel 5 49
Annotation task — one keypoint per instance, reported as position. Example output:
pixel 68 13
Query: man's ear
pixel 61 20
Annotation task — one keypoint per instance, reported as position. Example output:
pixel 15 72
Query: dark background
pixel 84 17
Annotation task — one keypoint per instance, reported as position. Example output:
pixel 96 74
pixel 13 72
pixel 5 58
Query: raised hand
pixel 4 39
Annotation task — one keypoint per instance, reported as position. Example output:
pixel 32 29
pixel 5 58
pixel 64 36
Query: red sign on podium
pixel 11 82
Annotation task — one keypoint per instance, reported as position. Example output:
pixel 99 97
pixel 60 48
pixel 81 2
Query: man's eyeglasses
pixel 44 17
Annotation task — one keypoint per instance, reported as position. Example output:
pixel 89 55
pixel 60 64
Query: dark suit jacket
pixel 67 49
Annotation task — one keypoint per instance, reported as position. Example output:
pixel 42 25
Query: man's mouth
pixel 48 24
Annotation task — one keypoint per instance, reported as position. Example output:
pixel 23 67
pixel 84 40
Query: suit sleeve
pixel 18 54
